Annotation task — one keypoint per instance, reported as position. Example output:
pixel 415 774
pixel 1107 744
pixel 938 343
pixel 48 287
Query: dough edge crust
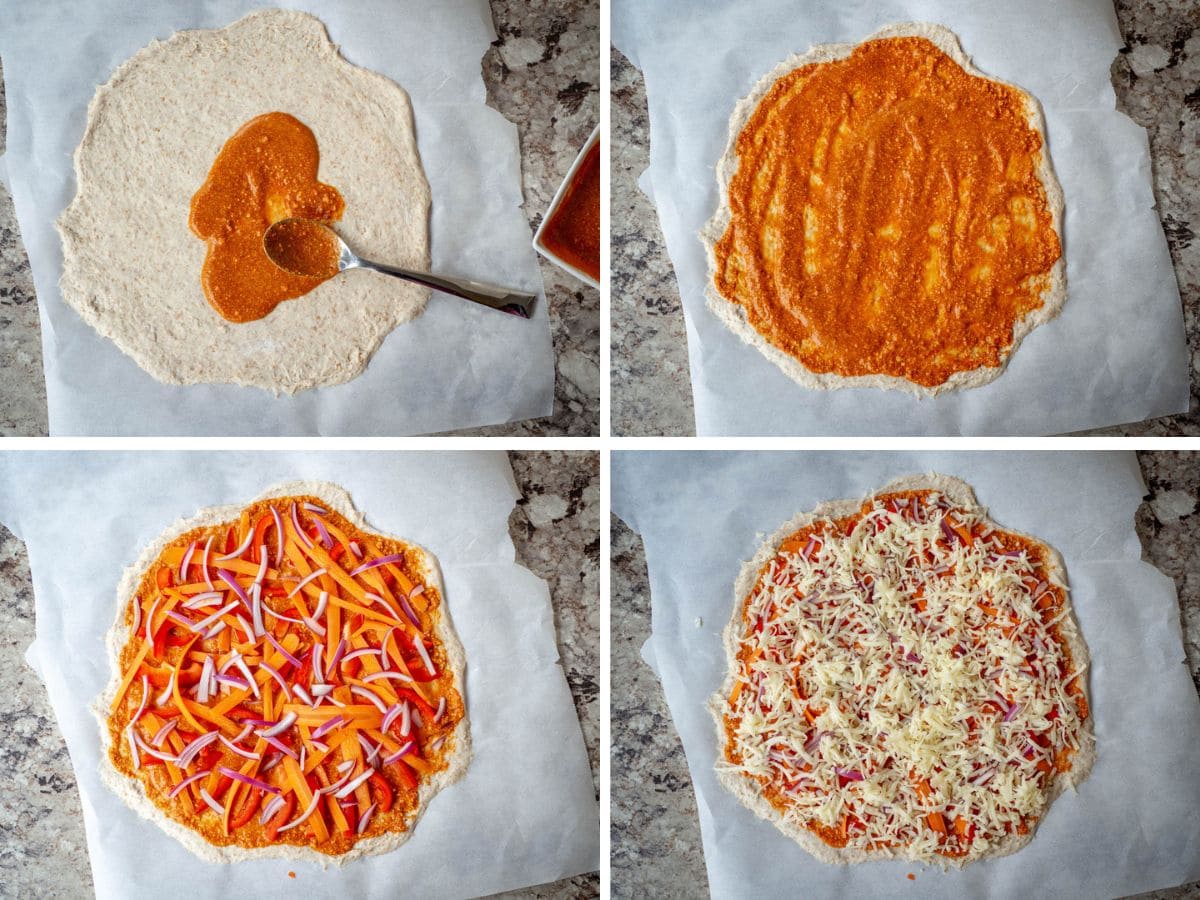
pixel 750 794
pixel 733 315
pixel 79 294
pixel 133 792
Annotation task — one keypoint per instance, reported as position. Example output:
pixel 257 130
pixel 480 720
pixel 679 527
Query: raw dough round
pixel 131 266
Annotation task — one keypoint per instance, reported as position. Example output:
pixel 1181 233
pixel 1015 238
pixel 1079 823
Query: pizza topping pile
pixel 904 682
pixel 282 682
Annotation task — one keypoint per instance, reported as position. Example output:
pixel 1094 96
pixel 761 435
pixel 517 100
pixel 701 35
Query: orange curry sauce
pixel 266 172
pixel 956 837
pixel 341 632
pixel 573 232
pixel 887 216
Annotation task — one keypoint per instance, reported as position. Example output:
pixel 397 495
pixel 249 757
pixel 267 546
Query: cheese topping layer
pixel 903 683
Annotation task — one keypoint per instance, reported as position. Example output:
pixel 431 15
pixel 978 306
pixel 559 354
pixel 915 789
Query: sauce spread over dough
pixel 573 232
pixel 283 682
pixel 266 172
pixel 903 680
pixel 887 216
pixel 303 247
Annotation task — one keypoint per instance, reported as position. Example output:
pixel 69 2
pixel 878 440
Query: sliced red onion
pixel 233 681
pixel 207 598
pixel 183 565
pixel 274 673
pixel 137 615
pixel 321 690
pixel 316 796
pixel 319 745
pixel 270 612
pixel 313 508
pixel 1012 711
pixel 326 540
pixel 328 726
pixel 303 751
pixel 150 621
pixel 204 563
pixel 315 574
pixel 251 681
pixel 184 760
pixel 344 767
pixel 191 779
pixel 239 750
pixel 376 563
pixel 318 672
pixel 303 695
pixel 133 747
pixel 390 716
pixel 397 676
pixel 408 610
pixel 365 651
pixel 912 657
pixel 813 741
pixel 300 531
pixel 230 579
pixel 441 708
pixel 237 554
pixel 278 536
pixel 336 785
pixel 214 631
pixel 272 761
pixel 983 776
pixel 437 745
pixel 849 774
pixel 322 601
pixel 147 749
pixel 358 691
pixel 211 803
pixel 223 611
pixel 419 644
pixel 356 550
pixel 416 591
pixel 275 804
pixel 279 727
pixel 281 746
pixel 398 754
pixel 349 788
pixel 416 719
pixel 178 619
pixel 161 734
pixel 278 646
pixel 246 779
pixel 365 819
pixel 256 610
pixel 372 749
pixel 338 652
pixel 145 696
pixel 161 699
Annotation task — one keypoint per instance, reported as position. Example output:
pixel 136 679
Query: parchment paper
pixel 1116 353
pixel 1131 827
pixel 458 365
pixel 524 813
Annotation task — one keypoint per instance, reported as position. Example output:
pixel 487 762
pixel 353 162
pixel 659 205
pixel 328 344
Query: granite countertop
pixel 543 74
pixel 43 852
pixel 1157 82
pixel 655 833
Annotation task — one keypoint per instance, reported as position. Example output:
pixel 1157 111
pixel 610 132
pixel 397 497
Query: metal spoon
pixel 499 298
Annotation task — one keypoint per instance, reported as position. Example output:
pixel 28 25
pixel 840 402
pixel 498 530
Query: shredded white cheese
pixel 903 672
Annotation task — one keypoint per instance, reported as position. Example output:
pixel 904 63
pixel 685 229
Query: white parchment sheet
pixel 458 365
pixel 1116 354
pixel 1133 824
pixel 524 813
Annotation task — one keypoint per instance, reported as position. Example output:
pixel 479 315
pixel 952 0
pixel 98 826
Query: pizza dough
pixel 131 266
pixel 875 664
pixel 734 315
pixel 133 790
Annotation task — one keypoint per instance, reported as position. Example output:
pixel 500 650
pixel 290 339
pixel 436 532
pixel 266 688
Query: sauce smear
pixel 266 172
pixel 573 232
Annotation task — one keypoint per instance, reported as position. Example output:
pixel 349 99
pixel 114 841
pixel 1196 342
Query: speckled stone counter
pixel 655 833
pixel 1157 81
pixel 543 74
pixel 43 852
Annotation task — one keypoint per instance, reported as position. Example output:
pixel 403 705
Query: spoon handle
pixel 500 298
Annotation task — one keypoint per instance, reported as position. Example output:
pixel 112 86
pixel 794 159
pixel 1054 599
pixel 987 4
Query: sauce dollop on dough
pixel 266 172
pixel 887 215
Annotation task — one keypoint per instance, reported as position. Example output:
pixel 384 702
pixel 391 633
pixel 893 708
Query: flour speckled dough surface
pixel 733 315
pixel 133 792
pixel 555 529
pixel 142 158
pixel 655 833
